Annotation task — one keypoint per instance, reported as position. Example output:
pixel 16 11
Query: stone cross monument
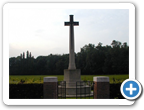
pixel 71 75
pixel 71 42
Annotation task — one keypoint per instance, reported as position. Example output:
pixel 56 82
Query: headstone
pixel 50 88
pixel 101 87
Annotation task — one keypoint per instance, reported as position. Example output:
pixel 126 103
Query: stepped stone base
pixel 71 77
pixel 72 92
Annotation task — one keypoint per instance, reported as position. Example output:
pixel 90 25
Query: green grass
pixel 112 78
pixel 15 79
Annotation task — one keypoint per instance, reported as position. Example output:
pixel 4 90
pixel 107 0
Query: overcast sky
pixel 41 31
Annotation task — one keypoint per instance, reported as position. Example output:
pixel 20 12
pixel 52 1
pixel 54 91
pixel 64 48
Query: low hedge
pixel 35 91
pixel 25 91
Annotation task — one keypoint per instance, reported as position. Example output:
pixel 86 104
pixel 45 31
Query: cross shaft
pixel 71 42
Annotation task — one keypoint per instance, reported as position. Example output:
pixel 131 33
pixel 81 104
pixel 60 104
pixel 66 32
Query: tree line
pixel 92 60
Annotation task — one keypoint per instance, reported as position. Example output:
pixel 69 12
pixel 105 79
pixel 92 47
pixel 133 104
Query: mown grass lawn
pixel 26 79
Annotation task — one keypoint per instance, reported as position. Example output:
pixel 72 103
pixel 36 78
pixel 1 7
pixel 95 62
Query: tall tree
pixel 30 55
pixel 27 54
pixel 23 55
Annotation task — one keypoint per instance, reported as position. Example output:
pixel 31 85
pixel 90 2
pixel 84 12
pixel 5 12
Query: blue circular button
pixel 131 89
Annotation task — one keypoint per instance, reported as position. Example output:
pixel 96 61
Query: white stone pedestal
pixel 71 77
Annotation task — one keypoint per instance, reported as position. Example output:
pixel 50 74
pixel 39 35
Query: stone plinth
pixel 101 87
pixel 50 88
pixel 71 77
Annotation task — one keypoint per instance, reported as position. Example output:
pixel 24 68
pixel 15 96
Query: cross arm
pixel 76 23
pixel 66 23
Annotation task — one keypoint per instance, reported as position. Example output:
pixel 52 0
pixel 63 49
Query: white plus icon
pixel 131 89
